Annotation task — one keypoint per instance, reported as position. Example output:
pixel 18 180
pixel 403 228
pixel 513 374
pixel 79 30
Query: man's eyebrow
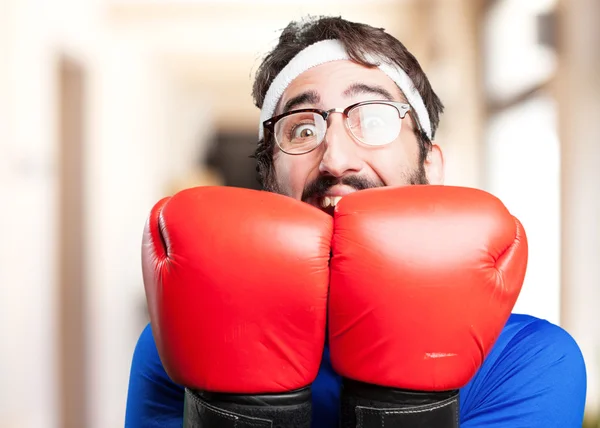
pixel 361 88
pixel 308 97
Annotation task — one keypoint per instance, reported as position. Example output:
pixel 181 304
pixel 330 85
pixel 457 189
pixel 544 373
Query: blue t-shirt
pixel 533 377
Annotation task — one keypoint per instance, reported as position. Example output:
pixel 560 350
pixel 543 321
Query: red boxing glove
pixel 423 279
pixel 236 283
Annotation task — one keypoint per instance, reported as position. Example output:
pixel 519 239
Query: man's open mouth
pixel 326 203
pixel 329 201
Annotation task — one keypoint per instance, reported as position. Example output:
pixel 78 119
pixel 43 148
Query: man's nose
pixel 341 155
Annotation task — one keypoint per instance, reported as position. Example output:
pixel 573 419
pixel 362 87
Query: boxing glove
pixel 423 279
pixel 236 282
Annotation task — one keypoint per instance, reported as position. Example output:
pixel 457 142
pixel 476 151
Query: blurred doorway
pixel 231 154
pixel 71 245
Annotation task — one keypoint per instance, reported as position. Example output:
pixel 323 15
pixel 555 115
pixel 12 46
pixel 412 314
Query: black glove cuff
pixel 211 410
pixel 371 406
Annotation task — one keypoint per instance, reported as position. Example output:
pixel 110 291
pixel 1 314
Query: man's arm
pixel 535 377
pixel 153 400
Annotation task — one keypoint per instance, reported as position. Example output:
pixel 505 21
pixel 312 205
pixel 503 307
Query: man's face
pixel 341 164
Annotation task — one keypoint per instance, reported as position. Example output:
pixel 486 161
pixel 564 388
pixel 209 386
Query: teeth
pixel 328 201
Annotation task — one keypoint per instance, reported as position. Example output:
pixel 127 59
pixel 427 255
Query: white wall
pixel 27 215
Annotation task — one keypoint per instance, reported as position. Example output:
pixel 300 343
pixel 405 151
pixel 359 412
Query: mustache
pixel 322 184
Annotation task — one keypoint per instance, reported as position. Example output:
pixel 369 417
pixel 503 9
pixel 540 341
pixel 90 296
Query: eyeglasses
pixel 374 123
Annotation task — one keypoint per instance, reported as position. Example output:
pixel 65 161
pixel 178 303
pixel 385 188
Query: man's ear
pixel 434 165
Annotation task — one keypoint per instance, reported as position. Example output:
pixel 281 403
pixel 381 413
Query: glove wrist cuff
pixel 208 410
pixel 371 406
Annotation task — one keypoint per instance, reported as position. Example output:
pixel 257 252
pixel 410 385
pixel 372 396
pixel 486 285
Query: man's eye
pixel 372 122
pixel 304 131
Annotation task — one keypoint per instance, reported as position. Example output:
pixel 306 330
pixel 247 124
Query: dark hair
pixel 358 39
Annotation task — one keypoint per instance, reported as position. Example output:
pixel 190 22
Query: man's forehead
pixel 342 78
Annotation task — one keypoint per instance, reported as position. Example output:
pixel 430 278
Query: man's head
pixel 385 139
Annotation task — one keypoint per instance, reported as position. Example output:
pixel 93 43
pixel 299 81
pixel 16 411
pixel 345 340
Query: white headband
pixel 333 50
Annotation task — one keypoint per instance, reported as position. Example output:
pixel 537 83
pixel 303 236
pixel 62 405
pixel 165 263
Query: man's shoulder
pixel 145 357
pixel 534 366
pixel 146 361
pixel 153 399
pixel 530 344
pixel 538 337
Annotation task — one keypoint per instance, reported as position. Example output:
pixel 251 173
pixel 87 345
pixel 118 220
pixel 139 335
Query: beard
pixel 319 186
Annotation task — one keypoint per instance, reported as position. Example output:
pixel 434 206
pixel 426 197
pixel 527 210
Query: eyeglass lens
pixel 372 124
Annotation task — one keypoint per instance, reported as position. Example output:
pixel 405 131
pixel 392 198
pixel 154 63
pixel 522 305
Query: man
pixel 315 149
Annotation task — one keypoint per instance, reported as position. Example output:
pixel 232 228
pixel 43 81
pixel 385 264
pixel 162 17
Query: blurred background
pixel 108 105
